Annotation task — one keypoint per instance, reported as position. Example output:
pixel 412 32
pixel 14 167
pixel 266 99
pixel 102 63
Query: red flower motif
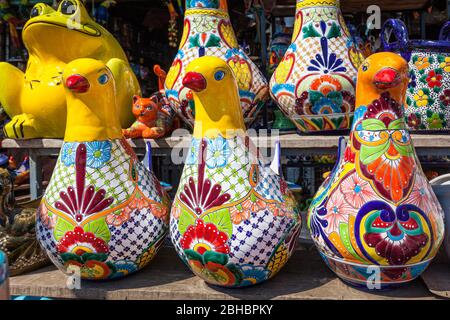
pixel 385 109
pixel 434 79
pixel 445 97
pixel 80 242
pixel 414 121
pixel 202 238
pixel 203 195
pixel 82 201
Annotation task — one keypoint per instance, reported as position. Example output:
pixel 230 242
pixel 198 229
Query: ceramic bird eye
pixel 365 67
pixel 103 79
pixel 68 7
pixel 219 75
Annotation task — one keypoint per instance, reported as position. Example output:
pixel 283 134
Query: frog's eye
pixel 68 7
pixel 103 79
pixel 36 11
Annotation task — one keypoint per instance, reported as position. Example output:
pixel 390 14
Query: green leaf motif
pixel 186 220
pixel 221 219
pixel 373 125
pixel 310 32
pixel 194 41
pixel 213 41
pixel 334 32
pixel 99 228
pixel 62 226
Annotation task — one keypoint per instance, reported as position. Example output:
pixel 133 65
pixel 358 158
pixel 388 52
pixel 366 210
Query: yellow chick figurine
pixel 234 221
pixel 35 100
pixel 103 213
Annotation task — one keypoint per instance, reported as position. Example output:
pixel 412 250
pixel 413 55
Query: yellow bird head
pixel 92 112
pixel 384 71
pixel 216 96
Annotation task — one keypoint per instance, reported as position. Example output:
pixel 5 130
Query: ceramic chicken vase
pixel 427 106
pixel 234 221
pixel 314 84
pixel 104 214
pixel 375 220
pixel 35 100
pixel 208 32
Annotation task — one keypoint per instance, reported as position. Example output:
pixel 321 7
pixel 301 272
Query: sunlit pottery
pixel 314 84
pixel 104 214
pixel 427 107
pixel 4 282
pixel 35 100
pixel 375 220
pixel 234 221
pixel 208 32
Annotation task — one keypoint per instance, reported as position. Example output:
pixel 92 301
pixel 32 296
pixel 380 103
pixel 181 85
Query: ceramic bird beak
pixel 387 78
pixel 194 81
pixel 77 83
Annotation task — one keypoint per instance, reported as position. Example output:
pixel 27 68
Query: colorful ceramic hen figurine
pixel 376 220
pixel 208 32
pixel 103 212
pixel 35 100
pixel 234 222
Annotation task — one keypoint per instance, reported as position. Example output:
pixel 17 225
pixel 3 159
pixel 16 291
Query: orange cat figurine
pixel 152 118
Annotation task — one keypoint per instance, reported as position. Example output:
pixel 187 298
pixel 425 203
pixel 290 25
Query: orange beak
pixel 77 83
pixel 194 81
pixel 387 78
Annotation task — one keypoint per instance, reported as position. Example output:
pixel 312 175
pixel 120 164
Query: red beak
pixel 77 84
pixel 387 78
pixel 194 81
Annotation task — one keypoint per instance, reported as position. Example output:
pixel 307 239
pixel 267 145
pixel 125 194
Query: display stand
pixel 304 277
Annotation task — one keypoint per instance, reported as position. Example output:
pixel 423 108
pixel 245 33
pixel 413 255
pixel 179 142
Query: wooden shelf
pixel 289 141
pixel 304 277
pixel 287 7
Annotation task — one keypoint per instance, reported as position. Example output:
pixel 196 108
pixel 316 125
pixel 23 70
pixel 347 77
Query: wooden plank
pixel 289 141
pixel 304 277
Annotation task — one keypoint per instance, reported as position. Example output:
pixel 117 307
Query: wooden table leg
pixel 35 174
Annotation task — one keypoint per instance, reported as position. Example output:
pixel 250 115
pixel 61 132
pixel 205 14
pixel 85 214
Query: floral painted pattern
pixel 217 152
pixel 396 236
pixel 68 153
pixel 337 212
pixel 428 97
pixel 356 191
pixel 98 153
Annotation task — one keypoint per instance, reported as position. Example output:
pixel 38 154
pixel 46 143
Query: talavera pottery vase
pixel 104 215
pixel 441 187
pixel 208 32
pixel 234 221
pixel 427 106
pixel 35 100
pixel 375 220
pixel 314 85
pixel 4 283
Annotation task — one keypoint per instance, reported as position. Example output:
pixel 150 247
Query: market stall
pixel 107 186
